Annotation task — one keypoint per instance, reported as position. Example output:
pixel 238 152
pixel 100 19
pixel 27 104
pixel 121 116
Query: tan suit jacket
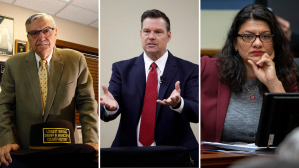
pixel 70 86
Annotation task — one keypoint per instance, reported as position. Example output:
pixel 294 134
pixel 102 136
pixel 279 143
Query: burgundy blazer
pixel 215 98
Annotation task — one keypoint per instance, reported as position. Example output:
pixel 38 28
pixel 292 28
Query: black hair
pixel 232 69
pixel 154 13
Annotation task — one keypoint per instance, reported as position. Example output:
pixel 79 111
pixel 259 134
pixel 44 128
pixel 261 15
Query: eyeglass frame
pixel 259 36
pixel 40 31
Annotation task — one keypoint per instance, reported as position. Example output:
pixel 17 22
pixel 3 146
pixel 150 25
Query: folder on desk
pixel 229 148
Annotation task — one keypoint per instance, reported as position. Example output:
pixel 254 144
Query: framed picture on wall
pixel 21 46
pixel 6 35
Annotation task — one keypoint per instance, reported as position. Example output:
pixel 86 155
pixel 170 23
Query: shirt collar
pixel 161 62
pixel 37 57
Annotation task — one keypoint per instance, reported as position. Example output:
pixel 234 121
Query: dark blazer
pixel 70 87
pixel 215 98
pixel 127 85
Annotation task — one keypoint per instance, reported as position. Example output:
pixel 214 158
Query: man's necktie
pixel 147 126
pixel 43 80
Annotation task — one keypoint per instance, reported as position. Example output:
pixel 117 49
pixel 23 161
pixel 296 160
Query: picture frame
pixel 6 35
pixel 21 46
pixel 2 67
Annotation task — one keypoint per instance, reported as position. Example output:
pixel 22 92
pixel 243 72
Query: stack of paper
pixel 228 148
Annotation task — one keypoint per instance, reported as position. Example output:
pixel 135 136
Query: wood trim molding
pixel 79 47
pixel 208 52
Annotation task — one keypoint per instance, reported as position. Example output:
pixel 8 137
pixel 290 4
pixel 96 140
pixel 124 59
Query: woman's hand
pixel 265 71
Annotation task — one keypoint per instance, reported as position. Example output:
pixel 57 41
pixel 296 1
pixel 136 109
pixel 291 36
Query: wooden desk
pixel 219 159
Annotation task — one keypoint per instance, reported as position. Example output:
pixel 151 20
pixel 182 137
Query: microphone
pixel 162 80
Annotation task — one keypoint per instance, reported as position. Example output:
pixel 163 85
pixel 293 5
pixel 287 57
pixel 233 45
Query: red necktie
pixel 147 126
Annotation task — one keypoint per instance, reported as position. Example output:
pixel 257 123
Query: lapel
pixel 168 74
pixel 32 73
pixel 139 74
pixel 56 68
pixel 224 93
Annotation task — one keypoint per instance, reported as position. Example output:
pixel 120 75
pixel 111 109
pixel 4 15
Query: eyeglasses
pixel 250 38
pixel 47 31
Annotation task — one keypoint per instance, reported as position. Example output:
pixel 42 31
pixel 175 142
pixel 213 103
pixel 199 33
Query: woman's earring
pixel 236 49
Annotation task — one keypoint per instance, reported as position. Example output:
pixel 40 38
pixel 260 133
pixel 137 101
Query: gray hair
pixel 36 16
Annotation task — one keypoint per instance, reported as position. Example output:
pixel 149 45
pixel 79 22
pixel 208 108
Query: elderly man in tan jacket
pixel 27 99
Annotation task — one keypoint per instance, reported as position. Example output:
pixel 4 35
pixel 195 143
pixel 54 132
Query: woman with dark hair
pixel 256 58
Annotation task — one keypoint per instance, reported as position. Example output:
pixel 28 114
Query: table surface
pixel 221 160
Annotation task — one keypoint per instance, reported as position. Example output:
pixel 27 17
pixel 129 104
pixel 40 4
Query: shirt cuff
pixel 109 113
pixel 180 109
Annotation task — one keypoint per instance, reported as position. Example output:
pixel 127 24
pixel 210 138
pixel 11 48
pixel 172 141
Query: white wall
pixel 120 25
pixel 66 30
pixel 215 25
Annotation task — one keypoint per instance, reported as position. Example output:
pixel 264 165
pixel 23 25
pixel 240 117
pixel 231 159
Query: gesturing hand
pixel 108 100
pixel 175 97
pixel 5 158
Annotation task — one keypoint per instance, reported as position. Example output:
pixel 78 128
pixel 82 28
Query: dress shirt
pixel 161 62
